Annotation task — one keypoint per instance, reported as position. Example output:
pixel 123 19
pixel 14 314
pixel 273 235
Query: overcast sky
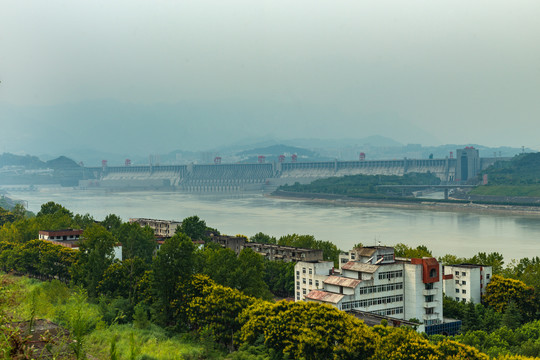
pixel 424 71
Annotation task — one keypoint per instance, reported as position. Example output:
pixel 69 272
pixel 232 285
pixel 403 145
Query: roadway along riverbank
pixel 340 200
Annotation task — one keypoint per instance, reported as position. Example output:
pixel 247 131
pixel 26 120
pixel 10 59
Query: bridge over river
pixel 264 176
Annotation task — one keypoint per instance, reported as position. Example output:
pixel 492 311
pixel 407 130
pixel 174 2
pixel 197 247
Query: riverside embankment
pixel 412 204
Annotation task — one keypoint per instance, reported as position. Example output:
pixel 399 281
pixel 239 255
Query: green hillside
pixel 517 177
pixel 523 169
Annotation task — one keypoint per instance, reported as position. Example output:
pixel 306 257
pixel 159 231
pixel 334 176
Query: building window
pixel 303 280
pixel 487 276
pixel 457 273
pixel 317 283
pixel 463 291
pixel 298 295
pixel 428 298
pixel 303 270
pixel 429 286
pixel 304 291
pixel 457 299
pixel 310 271
pixel 297 273
pixel 463 282
pixel 457 282
pixel 310 282
pixel 353 256
pixel 463 274
pixel 390 274
pixel 457 291
pixel 429 311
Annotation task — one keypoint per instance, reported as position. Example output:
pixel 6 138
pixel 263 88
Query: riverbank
pixel 340 200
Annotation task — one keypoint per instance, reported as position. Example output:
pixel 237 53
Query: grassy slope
pixel 55 303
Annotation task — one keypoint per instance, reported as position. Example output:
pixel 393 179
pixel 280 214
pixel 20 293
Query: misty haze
pixel 269 179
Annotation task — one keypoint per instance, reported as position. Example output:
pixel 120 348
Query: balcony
pixel 429 292
pixel 430 304
pixel 433 316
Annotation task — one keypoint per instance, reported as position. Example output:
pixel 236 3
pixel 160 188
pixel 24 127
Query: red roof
pixel 65 232
pixel 324 296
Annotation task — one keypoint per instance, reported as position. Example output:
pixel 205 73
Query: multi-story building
pixel 310 275
pixel 375 281
pixel 162 228
pixel 60 235
pixel 70 238
pixel 270 252
pixel 466 282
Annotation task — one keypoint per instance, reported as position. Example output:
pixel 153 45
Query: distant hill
pixel 274 151
pixel 62 162
pixel 29 162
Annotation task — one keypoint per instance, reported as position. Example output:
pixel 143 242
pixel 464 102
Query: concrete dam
pixel 268 176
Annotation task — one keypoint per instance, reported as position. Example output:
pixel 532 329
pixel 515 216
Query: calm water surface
pixel 463 234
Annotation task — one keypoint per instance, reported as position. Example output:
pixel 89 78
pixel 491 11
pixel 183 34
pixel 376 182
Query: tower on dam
pixel 468 164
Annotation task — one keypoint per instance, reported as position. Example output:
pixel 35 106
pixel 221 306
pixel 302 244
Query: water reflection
pixel 463 234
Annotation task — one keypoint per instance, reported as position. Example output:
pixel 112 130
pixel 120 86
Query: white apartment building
pixel 374 281
pixel 466 282
pixel 310 276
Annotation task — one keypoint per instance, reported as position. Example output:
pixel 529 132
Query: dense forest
pixel 186 302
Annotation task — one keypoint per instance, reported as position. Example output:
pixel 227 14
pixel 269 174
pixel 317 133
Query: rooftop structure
pixel 60 235
pixel 162 228
pixel 269 251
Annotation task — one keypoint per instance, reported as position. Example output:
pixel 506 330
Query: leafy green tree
pixel 279 276
pixel 83 221
pixel 172 266
pixel 501 291
pixel 450 259
pixel 193 227
pixel 330 251
pixel 307 330
pixel 512 317
pixel 494 259
pixel 453 350
pixel 402 250
pixel 249 274
pixel 96 255
pixel 6 216
pixel 262 238
pixel 405 344
pixel 303 241
pixel 216 311
pixel 471 320
pixel 220 264
pixel 137 241
pixel 52 208
pixel 140 317
pixel 112 223
pixel 19 211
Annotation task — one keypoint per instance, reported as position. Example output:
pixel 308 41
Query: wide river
pixel 459 233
